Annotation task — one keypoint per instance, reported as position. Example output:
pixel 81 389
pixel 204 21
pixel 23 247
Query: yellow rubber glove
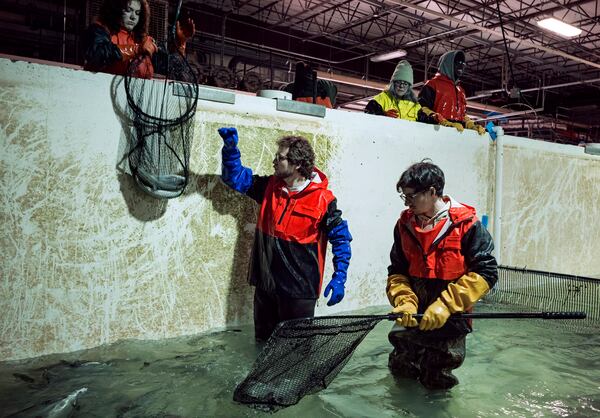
pixel 407 310
pixel 461 295
pixel 434 117
pixel 435 316
pixel 469 124
pixel 403 299
pixel 458 126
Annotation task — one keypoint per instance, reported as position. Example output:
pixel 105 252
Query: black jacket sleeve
pixel 477 247
pixel 99 49
pixel 399 263
pixel 427 97
pixel 258 188
pixel 374 108
pixel 332 218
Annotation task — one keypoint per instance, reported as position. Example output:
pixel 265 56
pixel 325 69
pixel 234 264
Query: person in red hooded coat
pixel 298 215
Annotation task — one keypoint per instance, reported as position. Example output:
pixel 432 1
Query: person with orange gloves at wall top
pixel 441 264
pixel 120 35
pixel 398 100
pixel 443 99
pixel 298 214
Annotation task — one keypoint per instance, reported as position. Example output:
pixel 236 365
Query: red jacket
pixel 463 245
pixel 291 242
pixel 112 52
pixel 444 260
pixel 445 98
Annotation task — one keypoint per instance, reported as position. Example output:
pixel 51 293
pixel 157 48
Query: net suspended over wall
pixel 162 113
pixel 541 290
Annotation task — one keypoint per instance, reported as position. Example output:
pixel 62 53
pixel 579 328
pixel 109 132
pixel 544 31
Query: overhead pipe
pixel 493 32
pixel 509 114
pixel 281 52
pixel 488 93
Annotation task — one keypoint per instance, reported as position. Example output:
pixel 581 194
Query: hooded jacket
pixel 443 94
pixel 462 245
pixel 407 107
pixel 290 243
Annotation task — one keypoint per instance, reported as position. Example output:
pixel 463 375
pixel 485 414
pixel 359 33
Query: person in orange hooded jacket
pixel 120 35
pixel 443 99
pixel 441 264
pixel 298 214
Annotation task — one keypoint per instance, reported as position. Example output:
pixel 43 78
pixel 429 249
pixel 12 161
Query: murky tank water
pixel 514 368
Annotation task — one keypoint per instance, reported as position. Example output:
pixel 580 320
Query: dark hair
pixel 110 16
pixel 421 176
pixel 300 153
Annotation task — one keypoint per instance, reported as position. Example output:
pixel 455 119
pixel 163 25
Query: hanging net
pixel 162 111
pixel 302 356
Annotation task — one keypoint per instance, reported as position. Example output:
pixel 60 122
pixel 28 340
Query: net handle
pixel 174 26
pixel 506 315
pixel 477 315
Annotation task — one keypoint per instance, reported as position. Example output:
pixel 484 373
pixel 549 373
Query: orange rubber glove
pixel 183 32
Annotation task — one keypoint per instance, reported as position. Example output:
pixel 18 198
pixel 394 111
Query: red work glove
pixel 392 113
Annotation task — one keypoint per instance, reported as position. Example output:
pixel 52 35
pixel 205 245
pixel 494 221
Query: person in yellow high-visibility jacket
pixel 398 100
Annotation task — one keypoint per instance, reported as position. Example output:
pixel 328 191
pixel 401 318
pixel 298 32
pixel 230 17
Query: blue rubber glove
pixel 230 137
pixel 233 173
pixel 490 128
pixel 339 237
pixel 336 288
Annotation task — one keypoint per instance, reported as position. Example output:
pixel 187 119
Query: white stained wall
pixel 89 260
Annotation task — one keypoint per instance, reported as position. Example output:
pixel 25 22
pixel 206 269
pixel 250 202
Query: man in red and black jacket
pixel 443 99
pixel 298 215
pixel 441 264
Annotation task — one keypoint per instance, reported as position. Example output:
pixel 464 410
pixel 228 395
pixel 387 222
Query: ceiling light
pixel 389 55
pixel 559 27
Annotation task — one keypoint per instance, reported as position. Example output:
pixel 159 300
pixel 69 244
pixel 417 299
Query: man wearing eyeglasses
pixel 441 264
pixel 443 99
pixel 298 215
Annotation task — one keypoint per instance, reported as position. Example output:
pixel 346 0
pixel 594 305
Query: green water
pixel 514 368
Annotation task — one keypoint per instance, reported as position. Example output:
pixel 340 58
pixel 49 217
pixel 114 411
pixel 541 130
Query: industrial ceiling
pixel 546 85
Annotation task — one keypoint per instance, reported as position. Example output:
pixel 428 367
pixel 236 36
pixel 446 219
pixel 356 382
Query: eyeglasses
pixel 401 83
pixel 279 157
pixel 411 196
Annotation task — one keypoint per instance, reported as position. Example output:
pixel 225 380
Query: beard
pixel 283 173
